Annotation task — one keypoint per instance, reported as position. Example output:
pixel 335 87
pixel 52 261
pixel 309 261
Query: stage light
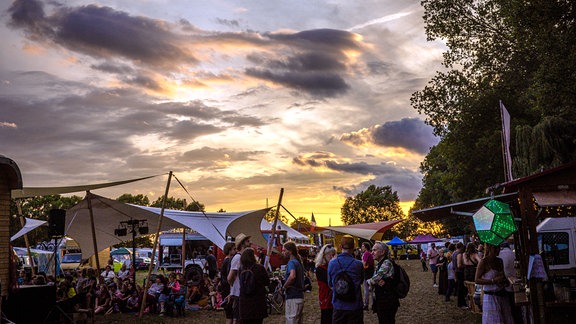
pixel 120 232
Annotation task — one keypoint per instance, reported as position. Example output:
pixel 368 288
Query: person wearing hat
pixel 242 242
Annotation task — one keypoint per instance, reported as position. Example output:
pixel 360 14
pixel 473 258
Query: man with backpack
pixel 345 277
pixel 385 299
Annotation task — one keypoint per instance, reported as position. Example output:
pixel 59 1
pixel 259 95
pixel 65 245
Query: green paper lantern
pixel 494 222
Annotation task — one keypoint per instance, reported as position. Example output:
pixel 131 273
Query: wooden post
pixel 93 228
pixel 145 288
pixel 273 237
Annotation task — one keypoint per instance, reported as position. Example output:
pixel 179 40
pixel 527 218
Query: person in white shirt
pixel 108 275
pixel 242 241
pixel 123 273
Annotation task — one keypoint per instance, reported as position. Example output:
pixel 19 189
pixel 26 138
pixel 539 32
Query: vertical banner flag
pixel 506 143
pixel 312 223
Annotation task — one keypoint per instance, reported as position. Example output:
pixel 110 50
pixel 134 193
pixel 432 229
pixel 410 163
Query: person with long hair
pixel 469 260
pixel 251 303
pixel 327 253
pixel 490 273
pixel 294 284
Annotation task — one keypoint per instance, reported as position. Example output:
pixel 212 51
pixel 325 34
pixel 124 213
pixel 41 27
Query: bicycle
pixel 275 296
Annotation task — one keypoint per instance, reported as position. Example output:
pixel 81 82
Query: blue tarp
pixel 396 241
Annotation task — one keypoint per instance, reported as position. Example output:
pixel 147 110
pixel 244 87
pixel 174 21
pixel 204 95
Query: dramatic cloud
pixel 409 133
pixel 239 99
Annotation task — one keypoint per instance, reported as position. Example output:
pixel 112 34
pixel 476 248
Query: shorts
pixel 235 305
pixel 434 268
pixel 228 309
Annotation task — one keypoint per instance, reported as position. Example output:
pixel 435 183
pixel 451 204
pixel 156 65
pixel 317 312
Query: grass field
pixel 423 305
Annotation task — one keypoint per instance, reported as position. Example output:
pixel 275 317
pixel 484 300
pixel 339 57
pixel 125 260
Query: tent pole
pixel 273 237
pixel 89 201
pixel 145 288
pixel 183 254
pixel 23 223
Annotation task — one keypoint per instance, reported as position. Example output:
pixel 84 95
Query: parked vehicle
pixel 557 243
pixel 71 261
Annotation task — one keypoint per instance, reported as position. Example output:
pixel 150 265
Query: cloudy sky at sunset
pixel 238 98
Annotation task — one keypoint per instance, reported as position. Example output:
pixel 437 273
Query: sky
pixel 238 98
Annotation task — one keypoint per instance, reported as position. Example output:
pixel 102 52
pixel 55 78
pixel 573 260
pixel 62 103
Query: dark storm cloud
pixel 405 181
pixel 101 32
pixel 113 68
pixel 409 133
pixel 359 167
pixel 316 63
pixel 322 84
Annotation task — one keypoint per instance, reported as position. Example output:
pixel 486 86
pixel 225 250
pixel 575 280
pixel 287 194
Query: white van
pixel 557 243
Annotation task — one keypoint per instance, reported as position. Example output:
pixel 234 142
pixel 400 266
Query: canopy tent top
pixel 367 231
pixel 109 213
pixel 428 238
pixel 396 241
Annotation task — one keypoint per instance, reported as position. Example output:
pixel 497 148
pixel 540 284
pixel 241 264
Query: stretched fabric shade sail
pixel 494 222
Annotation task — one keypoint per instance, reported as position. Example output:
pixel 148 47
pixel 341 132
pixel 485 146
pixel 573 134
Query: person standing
pixel 423 261
pixel 432 256
pixel 293 284
pixel 461 290
pixel 368 263
pixel 507 256
pixel 251 310
pixel 348 312
pixel 242 242
pixel 451 276
pixel 490 273
pixel 327 253
pixel 211 265
pixel 441 264
pixel 229 251
pixel 386 302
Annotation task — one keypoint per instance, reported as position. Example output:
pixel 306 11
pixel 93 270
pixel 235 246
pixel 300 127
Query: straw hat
pixel 240 238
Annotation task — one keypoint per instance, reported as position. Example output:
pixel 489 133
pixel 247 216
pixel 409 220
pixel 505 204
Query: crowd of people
pixel 112 291
pixel 491 267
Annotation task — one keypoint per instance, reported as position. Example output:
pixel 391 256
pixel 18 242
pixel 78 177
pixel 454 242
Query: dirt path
pixel 423 305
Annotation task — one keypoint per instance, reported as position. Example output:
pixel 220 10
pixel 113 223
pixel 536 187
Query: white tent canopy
pixel 30 225
pixel 292 233
pixel 367 231
pixel 217 226
pixel 109 213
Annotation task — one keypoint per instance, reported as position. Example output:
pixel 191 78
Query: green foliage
pixel 271 214
pixel 178 204
pixel 300 222
pixel 372 205
pixel 522 53
pixel 139 199
pixel 37 208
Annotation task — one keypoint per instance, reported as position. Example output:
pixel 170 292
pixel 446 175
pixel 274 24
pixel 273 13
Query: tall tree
pixel 520 52
pixel 139 199
pixel 271 214
pixel 372 205
pixel 300 223
pixel 38 208
pixel 178 204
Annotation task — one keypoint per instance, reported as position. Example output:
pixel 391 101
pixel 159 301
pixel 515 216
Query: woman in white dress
pixel 490 273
